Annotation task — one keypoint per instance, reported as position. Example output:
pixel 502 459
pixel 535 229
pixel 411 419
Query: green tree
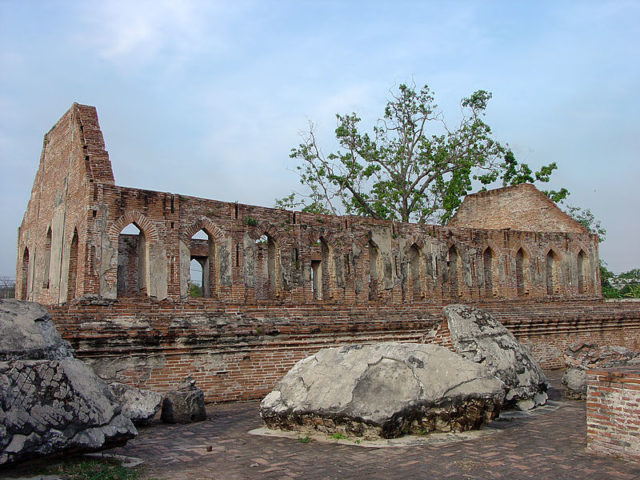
pixel 587 219
pixel 624 285
pixel 608 291
pixel 195 290
pixel 412 167
pixel 630 282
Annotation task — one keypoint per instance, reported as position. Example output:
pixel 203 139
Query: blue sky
pixel 207 98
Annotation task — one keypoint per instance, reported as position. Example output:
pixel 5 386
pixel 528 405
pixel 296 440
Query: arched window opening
pixel 374 270
pixel 133 261
pixel 203 261
pixel 582 263
pixel 487 267
pixel 522 265
pixel 453 271
pixel 24 290
pixel 47 259
pixel 414 273
pixel 73 268
pixel 265 278
pixel 196 278
pixel 552 265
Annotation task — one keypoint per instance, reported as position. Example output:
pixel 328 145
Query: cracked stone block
pixel 184 405
pixel 479 337
pixel 51 402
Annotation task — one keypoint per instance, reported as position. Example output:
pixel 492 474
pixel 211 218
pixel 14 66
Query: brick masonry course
pixel 277 284
pixel 613 412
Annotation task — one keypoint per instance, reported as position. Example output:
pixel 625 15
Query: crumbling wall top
pixel 519 207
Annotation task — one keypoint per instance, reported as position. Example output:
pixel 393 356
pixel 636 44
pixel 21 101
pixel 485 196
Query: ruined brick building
pixel 278 284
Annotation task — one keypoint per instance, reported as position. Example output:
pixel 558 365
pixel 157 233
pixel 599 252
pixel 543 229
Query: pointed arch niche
pixel 522 273
pixel 322 271
pixel 453 271
pixel 266 285
pixel 552 266
pixel 415 283
pixel 328 268
pixel 24 288
pixel 583 269
pixel 374 279
pixel 72 280
pixel 47 259
pixel 488 265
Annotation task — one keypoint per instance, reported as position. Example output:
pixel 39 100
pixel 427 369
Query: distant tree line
pixel 624 285
pixel 7 287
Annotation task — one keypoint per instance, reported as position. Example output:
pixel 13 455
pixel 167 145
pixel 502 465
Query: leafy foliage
pixel 587 219
pixel 633 274
pixel 195 290
pixel 624 285
pixel 412 167
pixel 605 276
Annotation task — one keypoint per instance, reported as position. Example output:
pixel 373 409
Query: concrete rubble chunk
pixel 383 390
pixel 185 404
pixel 479 337
pixel 52 402
pixel 138 405
pixel 580 356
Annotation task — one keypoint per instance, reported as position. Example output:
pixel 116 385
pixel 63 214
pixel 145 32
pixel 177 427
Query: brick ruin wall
pixel 317 279
pixel 613 412
pixel 239 352
pixel 256 254
pixel 70 244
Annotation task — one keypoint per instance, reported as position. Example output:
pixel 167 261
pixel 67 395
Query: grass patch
pixel 84 469
pixel 304 439
pixel 338 436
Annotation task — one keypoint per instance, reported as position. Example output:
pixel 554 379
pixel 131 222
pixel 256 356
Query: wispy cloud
pixel 129 33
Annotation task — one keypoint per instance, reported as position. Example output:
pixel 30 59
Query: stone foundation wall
pixel 238 352
pixel 613 412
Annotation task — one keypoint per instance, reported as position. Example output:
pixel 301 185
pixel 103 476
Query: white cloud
pixel 130 34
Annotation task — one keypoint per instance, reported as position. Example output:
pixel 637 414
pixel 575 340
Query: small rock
pixel 138 405
pixel 574 379
pixel 184 405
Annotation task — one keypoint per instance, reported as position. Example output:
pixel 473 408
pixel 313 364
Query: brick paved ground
pixel 546 446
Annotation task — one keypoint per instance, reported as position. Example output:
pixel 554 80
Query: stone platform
pixel 546 446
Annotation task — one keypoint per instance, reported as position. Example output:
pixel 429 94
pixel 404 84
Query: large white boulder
pixel 383 390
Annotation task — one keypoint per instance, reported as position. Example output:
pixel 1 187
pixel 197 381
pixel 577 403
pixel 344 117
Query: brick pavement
pixel 550 445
